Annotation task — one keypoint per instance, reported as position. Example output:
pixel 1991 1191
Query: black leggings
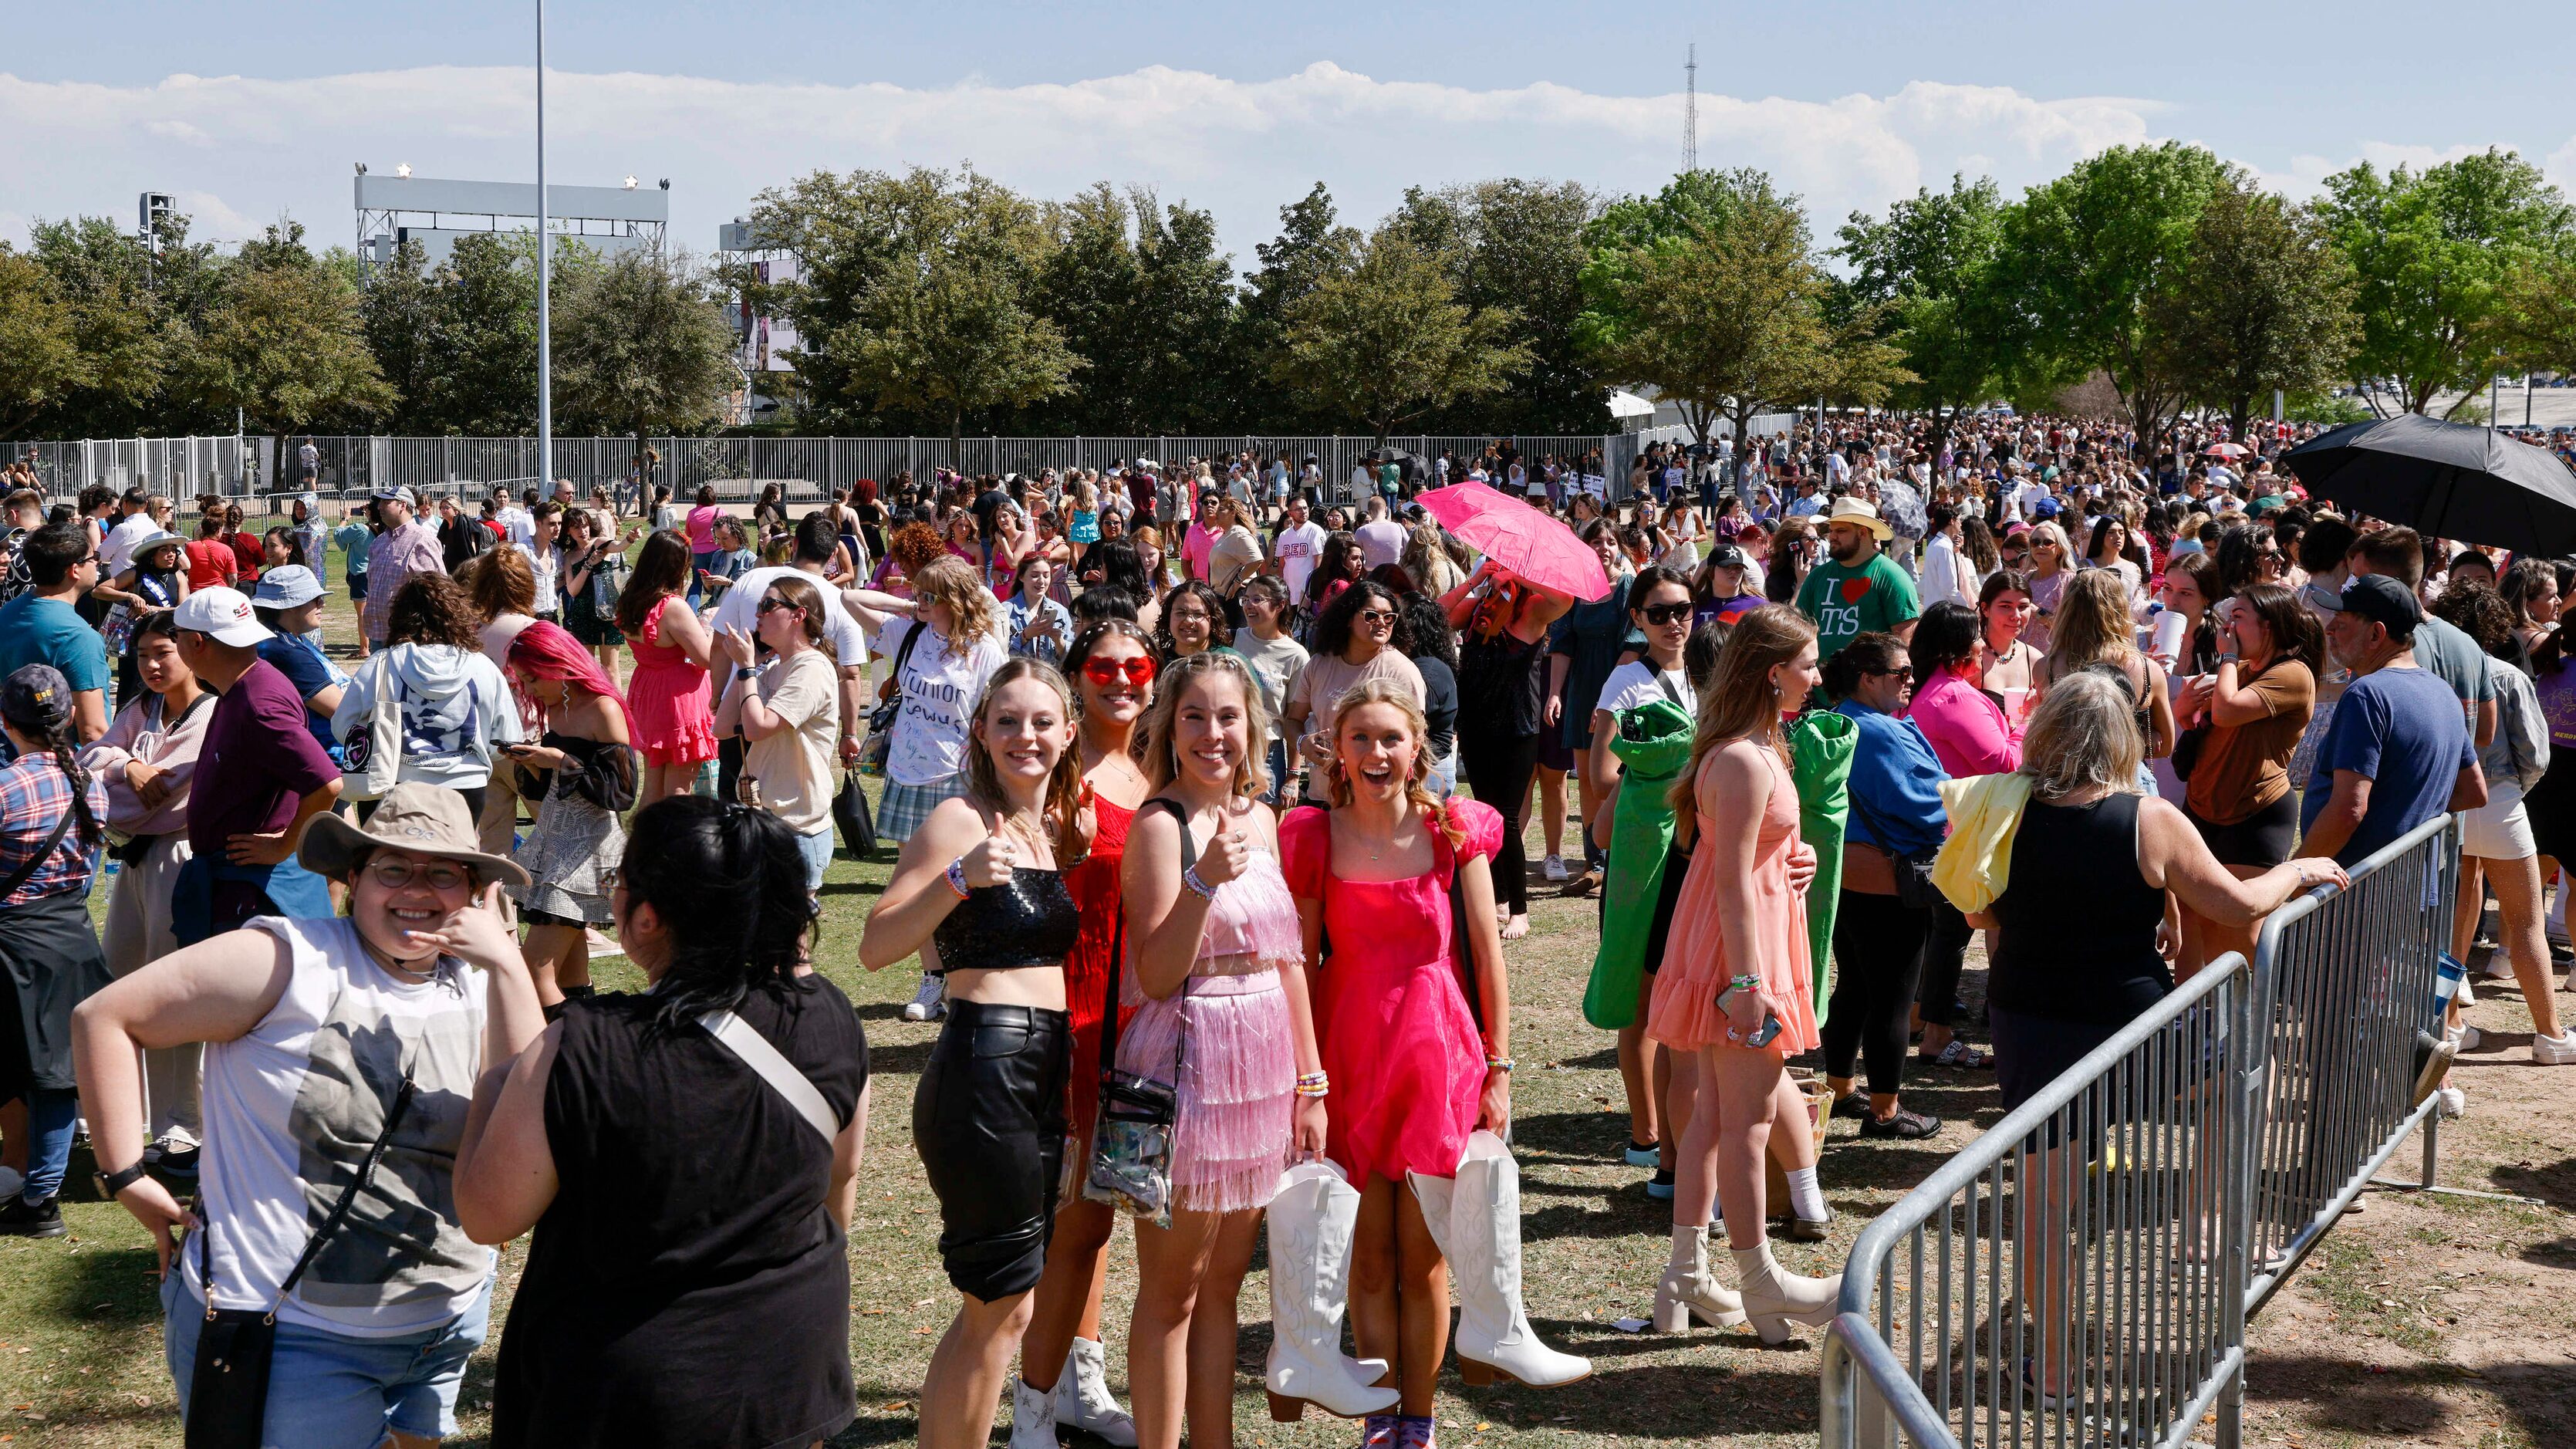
pixel 1498 768
pixel 1945 950
pixel 1878 956
pixel 988 1120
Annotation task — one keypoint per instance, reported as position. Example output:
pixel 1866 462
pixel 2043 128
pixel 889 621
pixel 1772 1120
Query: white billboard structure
pixel 403 207
pixel 764 344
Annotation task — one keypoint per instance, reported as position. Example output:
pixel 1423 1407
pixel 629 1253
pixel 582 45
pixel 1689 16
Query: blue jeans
pixel 330 1390
pixel 51 1112
pixel 1278 764
pixel 817 850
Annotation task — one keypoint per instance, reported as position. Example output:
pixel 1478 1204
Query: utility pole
pixel 1690 111
pixel 545 264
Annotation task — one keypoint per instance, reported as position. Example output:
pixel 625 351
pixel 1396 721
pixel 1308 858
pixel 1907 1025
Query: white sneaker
pixel 2466 1037
pixel 1554 868
pixel 2554 1051
pixel 930 1003
pixel 2454 1101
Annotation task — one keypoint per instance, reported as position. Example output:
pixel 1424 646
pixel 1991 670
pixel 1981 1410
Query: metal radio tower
pixel 1690 111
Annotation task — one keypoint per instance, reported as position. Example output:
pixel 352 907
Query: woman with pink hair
pixel 582 774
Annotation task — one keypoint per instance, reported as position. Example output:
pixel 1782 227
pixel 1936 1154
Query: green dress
pixel 1821 743
pixel 1654 747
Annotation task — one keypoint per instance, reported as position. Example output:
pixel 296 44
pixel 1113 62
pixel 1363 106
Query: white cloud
pixel 240 148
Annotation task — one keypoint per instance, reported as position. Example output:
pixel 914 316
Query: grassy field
pixel 2336 1359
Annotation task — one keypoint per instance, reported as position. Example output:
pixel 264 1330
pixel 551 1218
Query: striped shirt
pixel 34 793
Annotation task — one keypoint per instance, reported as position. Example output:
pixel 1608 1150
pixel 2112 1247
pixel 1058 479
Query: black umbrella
pixel 2444 480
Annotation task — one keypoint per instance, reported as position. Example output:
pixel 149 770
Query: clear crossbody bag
pixel 1132 1135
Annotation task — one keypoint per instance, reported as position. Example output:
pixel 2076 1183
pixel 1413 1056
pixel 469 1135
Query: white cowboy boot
pixel 1032 1416
pixel 1687 1291
pixel 1082 1398
pixel 1311 1221
pixel 1495 1339
pixel 1774 1298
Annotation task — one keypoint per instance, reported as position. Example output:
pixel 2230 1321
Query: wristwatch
pixel 745 671
pixel 111 1183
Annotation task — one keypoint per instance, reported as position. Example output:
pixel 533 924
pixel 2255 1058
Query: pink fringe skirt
pixel 1238 1074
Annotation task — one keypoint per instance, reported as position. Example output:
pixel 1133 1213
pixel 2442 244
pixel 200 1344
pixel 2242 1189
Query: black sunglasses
pixel 1665 613
pixel 777 603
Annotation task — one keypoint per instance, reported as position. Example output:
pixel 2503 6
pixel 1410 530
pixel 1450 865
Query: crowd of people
pixel 1210 789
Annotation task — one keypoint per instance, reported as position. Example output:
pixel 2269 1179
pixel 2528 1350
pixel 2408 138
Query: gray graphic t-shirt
pixel 290 1111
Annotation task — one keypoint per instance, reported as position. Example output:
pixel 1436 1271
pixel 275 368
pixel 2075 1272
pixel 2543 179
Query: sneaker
pixel 1643 1154
pixel 1554 869
pixel 1852 1106
pixel 2466 1037
pixel 43 1220
pixel 2554 1051
pixel 1660 1186
pixel 2454 1101
pixel 1904 1126
pixel 930 1003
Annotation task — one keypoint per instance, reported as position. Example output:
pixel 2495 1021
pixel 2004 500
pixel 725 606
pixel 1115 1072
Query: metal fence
pixel 737 467
pixel 2108 1239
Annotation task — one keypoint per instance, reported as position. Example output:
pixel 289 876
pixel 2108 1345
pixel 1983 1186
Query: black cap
pixel 1726 556
pixel 2383 600
pixel 37 699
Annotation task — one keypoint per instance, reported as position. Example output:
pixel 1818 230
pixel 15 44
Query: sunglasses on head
pixel 1665 613
pixel 1104 672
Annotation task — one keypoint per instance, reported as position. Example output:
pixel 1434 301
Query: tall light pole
pixel 545 264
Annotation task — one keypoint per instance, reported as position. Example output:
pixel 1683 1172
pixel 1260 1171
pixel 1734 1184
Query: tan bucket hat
pixel 419 818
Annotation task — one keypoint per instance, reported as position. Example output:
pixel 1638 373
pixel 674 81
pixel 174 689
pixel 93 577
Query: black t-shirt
pixel 1499 684
pixel 1439 703
pixel 688 1285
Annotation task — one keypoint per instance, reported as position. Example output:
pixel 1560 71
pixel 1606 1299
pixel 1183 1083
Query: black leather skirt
pixel 988 1120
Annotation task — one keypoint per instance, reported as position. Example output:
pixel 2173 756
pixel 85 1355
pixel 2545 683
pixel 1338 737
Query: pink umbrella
pixel 1519 538
pixel 2225 450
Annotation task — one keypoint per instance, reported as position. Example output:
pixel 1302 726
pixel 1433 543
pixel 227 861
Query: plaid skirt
pixel 906 806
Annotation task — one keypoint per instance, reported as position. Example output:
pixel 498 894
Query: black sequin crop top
pixel 1029 920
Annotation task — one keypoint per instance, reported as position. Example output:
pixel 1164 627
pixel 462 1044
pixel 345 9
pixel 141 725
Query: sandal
pixel 1959 1054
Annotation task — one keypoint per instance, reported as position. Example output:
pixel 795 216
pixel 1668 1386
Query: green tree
pixel 1517 247
pixel 2535 325
pixel 286 345
pixel 135 313
pixel 1144 298
pixel 2265 303
pixel 2087 257
pixel 2433 251
pixel 1389 340
pixel 1312 248
pixel 486 382
pixel 640 344
pixel 1930 266
pixel 400 313
pixel 40 358
pixel 1726 315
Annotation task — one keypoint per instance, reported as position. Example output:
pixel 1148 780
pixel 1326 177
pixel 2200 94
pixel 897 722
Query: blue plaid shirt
pixel 34 793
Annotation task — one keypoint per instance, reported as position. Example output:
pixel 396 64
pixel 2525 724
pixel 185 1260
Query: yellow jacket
pixel 1975 863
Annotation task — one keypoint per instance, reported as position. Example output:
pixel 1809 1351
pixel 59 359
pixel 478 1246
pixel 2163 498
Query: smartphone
pixel 1770 1028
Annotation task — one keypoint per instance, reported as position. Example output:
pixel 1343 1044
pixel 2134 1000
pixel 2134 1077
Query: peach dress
pixel 1683 1013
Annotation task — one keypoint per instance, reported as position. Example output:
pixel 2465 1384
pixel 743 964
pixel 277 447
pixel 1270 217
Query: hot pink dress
pixel 1684 1012
pixel 1228 1028
pixel 1406 1058
pixel 667 700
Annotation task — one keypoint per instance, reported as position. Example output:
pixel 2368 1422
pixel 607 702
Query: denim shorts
pixel 329 1390
pixel 817 850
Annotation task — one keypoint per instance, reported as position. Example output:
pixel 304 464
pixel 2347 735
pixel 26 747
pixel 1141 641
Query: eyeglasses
pixel 1660 614
pixel 1375 616
pixel 1104 672
pixel 393 874
pixel 773 602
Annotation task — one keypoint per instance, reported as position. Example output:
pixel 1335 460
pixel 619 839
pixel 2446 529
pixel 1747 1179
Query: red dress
pixel 1093 883
pixel 667 699
pixel 1406 1059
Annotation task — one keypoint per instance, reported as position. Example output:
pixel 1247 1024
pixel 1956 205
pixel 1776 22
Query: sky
pixel 250 112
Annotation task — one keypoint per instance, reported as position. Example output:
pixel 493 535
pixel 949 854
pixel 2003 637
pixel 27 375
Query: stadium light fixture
pixel 403 170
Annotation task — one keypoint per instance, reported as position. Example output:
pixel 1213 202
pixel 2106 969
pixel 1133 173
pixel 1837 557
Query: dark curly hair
pixel 433 609
pixel 1333 626
pixel 2481 613
pixel 1206 594
pixel 1428 630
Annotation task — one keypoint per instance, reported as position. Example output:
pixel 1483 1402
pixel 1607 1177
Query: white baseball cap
pixel 223 615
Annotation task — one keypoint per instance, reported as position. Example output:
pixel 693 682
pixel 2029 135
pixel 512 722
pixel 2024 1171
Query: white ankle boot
pixel 1775 1298
pixel 1032 1416
pixel 1311 1221
pixel 1688 1292
pixel 1476 1220
pixel 1082 1398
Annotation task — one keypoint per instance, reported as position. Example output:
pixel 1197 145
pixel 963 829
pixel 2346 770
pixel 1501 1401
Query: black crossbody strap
pixel 340 1210
pixel 43 853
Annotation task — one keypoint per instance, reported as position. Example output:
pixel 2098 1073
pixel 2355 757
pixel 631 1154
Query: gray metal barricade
pixel 2086 1235
pixel 2170 1182
pixel 2344 985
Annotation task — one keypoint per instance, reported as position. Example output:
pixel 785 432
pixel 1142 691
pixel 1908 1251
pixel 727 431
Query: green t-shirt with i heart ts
pixel 1846 602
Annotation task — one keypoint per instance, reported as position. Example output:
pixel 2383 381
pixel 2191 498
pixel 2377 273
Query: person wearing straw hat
pixel 340 1057
pixel 1858 589
pixel 155 576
